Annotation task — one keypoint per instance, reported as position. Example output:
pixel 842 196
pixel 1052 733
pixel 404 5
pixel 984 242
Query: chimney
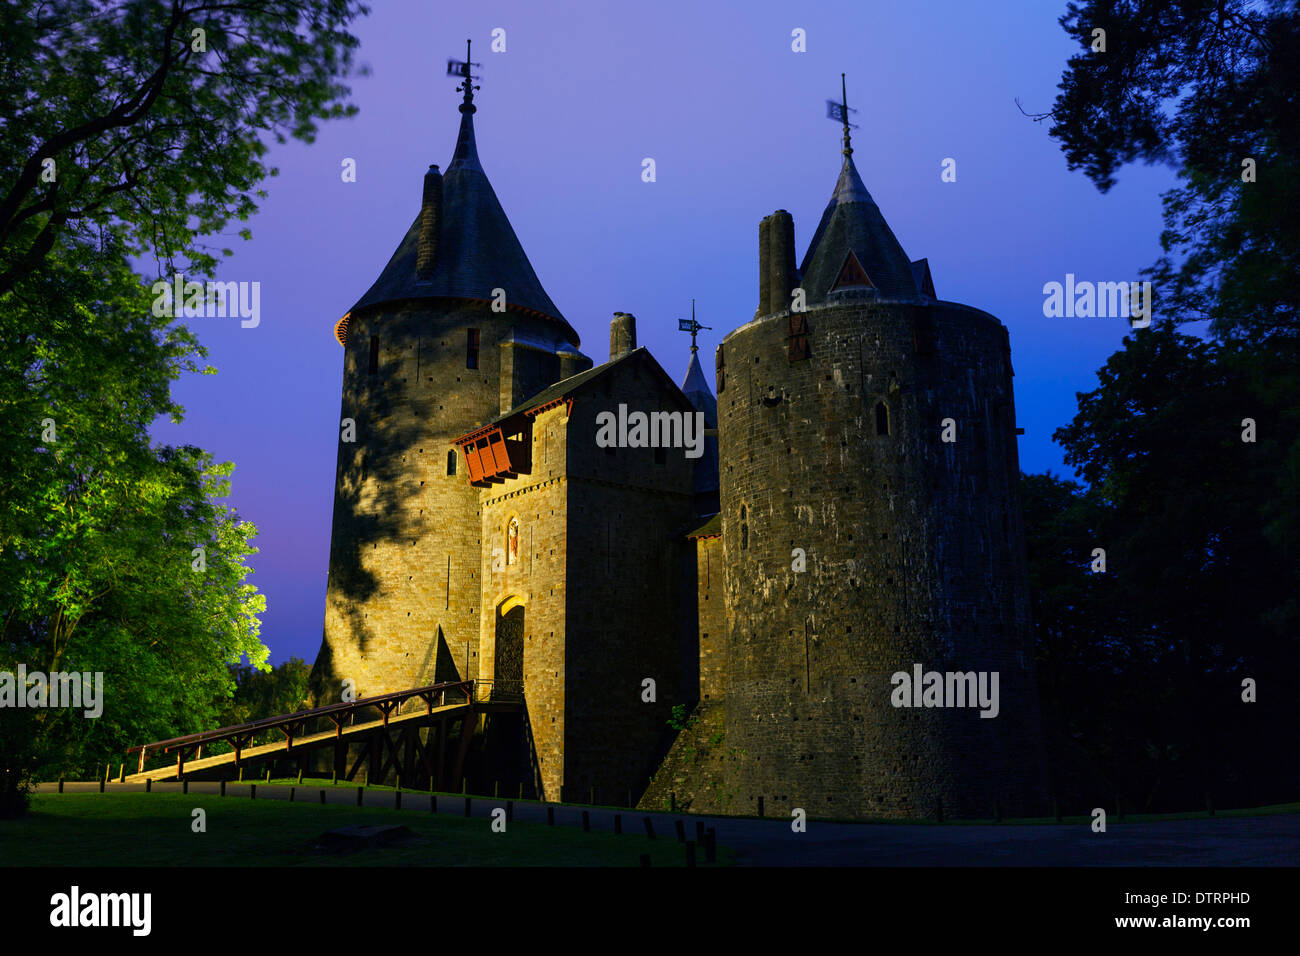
pixel 622 335
pixel 430 223
pixel 765 266
pixel 784 274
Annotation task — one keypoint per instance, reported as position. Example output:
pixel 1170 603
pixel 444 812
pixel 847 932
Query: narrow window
pixel 471 348
pixel 451 462
pixel 374 354
pixel 882 418
pixel 744 529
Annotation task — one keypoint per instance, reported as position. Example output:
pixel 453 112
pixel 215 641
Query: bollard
pixel 760 806
pixel 618 824
pixel 711 846
pixel 292 793
pixel 223 788
pixel 397 799
pixel 60 785
pixel 649 828
pixel 586 821
pixel 360 790
pixel 690 852
pixel 101 786
pixel 148 786
pixel 550 816
pixel 467 807
pixel 185 786
pixel 433 803
pixel 322 796
pixel 252 791
pixel 645 859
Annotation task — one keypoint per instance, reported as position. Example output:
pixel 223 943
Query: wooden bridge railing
pixel 293 725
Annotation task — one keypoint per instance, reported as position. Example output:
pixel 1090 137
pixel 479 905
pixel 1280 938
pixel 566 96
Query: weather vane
pixel 457 68
pixel 840 111
pixel 690 325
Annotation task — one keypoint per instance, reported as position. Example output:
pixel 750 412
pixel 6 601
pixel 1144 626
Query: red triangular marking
pixel 852 274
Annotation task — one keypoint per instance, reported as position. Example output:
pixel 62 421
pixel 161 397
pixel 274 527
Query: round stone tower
pixel 456 330
pixel 868 472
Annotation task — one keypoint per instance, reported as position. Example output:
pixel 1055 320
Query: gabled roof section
pixel 478 250
pixel 921 276
pixel 852 223
pixel 852 275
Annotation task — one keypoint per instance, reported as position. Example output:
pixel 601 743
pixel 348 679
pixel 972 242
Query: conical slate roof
pixel 696 388
pixel 477 247
pixel 853 223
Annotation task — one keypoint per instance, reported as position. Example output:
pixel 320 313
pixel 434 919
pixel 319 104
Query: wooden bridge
pixel 387 737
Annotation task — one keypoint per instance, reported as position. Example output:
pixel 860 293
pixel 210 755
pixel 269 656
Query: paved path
pixel 1211 841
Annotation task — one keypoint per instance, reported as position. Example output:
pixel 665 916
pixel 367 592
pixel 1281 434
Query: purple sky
pixel 736 124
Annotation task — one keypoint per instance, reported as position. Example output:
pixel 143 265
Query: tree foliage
pixel 129 129
pixel 155 116
pixel 1210 87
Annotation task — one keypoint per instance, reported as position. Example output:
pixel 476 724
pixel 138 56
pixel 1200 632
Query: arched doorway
pixel 508 658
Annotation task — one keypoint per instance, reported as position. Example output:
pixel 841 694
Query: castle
pixel 849 515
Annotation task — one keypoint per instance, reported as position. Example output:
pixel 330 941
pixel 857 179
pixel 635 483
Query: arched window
pixel 451 462
pixel 744 529
pixel 882 418
pixel 512 540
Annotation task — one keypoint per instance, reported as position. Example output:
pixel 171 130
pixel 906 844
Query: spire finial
pixel 684 325
pixel 467 86
pixel 844 103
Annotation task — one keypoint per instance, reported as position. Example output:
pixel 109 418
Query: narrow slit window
pixel 744 529
pixel 882 418
pixel 451 462
pixel 471 348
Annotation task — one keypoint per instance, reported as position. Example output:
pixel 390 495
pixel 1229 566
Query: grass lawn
pixel 154 829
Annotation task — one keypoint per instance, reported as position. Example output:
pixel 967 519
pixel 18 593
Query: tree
pixel 1142 664
pixel 147 118
pixel 135 128
pixel 98 569
pixel 1211 87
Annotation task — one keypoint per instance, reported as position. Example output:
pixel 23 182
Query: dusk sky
pixel 736 124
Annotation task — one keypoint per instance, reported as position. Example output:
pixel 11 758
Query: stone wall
pixel 404 592
pixel 914 554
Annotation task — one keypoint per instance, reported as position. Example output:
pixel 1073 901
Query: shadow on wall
pixel 373 460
